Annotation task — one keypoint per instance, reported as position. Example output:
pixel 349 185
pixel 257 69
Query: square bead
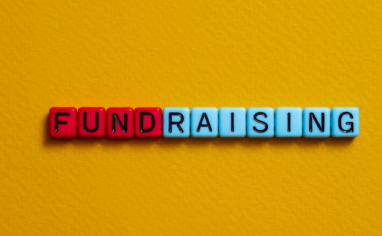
pixel 204 122
pixel 91 122
pixel 260 122
pixel 232 122
pixel 316 122
pixel 176 122
pixel 63 122
pixel 288 122
pixel 148 122
pixel 119 122
pixel 345 121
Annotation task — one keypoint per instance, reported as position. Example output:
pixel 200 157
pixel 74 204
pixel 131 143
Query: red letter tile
pixel 63 122
pixel 119 122
pixel 148 122
pixel 91 122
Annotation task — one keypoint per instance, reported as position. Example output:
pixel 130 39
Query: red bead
pixel 63 122
pixel 91 122
pixel 119 122
pixel 148 122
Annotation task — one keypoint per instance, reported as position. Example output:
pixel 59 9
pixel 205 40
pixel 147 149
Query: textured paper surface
pixel 189 53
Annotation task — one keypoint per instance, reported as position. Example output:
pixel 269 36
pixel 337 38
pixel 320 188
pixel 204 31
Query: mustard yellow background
pixel 189 53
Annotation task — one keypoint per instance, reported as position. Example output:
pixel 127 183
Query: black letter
pixel 56 122
pixel 141 122
pixel 96 125
pixel 261 122
pixel 204 115
pixel 313 117
pixel 170 122
pixel 115 117
pixel 348 123
pixel 288 121
pixel 232 122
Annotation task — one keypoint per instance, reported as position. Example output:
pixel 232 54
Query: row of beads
pixel 203 122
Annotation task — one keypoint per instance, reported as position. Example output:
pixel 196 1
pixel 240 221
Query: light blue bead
pixel 175 115
pixel 200 128
pixel 345 121
pixel 316 122
pixel 232 122
pixel 260 122
pixel 288 127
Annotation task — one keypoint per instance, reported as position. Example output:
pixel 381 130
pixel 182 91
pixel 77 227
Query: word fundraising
pixel 203 122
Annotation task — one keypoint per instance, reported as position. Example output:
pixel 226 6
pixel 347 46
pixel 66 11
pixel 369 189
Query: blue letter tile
pixel 232 122
pixel 316 122
pixel 204 122
pixel 345 122
pixel 176 122
pixel 260 122
pixel 288 122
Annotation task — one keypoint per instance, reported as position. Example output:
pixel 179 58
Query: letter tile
pixel 148 122
pixel 119 122
pixel 345 121
pixel 176 122
pixel 260 122
pixel 63 122
pixel 288 122
pixel 232 122
pixel 91 122
pixel 316 122
pixel 204 122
